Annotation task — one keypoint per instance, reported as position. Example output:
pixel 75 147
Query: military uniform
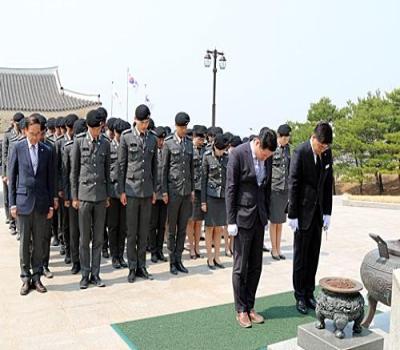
pixel 90 184
pixel 197 213
pixel 137 158
pixel 178 183
pixel 74 233
pixel 116 212
pixel 213 188
pixel 106 235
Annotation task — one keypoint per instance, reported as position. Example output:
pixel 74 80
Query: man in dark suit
pixel 248 189
pixel 310 208
pixel 31 199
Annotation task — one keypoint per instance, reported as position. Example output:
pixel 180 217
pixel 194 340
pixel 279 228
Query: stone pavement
pixel 67 317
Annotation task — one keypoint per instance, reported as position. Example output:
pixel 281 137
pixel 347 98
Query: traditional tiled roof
pixel 39 89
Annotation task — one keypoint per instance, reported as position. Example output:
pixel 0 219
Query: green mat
pixel 216 327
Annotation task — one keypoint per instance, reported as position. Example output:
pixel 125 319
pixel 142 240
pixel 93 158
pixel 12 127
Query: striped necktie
pixel 34 158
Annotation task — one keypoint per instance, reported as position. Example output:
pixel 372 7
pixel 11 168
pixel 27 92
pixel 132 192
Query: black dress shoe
pixel 39 287
pixel 301 307
pixel 154 257
pixel 131 276
pixel 96 280
pixel 67 259
pixel 13 232
pixel 220 266
pixel 282 257
pixel 62 250
pixel 311 303
pixel 84 283
pixel 115 263
pixel 55 242
pixel 25 288
pixel 105 254
pixel 173 269
pixel 142 272
pixel 211 267
pixel 161 256
pixel 199 256
pixel 181 268
pixel 275 257
pixel 76 267
pixel 123 263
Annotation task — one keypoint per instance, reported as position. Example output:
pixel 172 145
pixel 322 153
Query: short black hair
pixel 323 132
pixel 32 120
pixel 267 139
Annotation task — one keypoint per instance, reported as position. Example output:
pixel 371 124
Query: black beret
pixel 94 118
pixel 152 125
pixel 80 126
pixel 60 122
pixel 221 141
pixel 121 125
pixel 18 117
pixel 142 112
pixel 111 123
pixel 70 119
pixel 103 113
pixel 199 130
pixel 51 123
pixel 160 132
pixel 182 119
pixel 22 123
pixel 236 141
pixel 284 130
pixel 168 130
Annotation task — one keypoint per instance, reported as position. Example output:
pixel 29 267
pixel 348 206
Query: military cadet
pixel 159 208
pixel 213 182
pixel 59 127
pixel 110 132
pixel 51 129
pixel 212 131
pixel 79 127
pixel 116 212
pixel 197 217
pixel 66 124
pixel 90 188
pixel 137 157
pixel 178 189
pixel 13 133
pixel 105 134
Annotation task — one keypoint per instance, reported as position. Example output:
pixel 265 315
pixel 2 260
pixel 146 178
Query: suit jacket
pixel 28 191
pixel 309 192
pixel 244 198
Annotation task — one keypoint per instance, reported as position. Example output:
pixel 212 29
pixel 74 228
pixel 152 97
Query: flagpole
pixel 112 97
pixel 127 93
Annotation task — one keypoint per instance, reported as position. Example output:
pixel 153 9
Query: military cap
pixel 182 119
pixel 60 122
pixel 160 132
pixel 167 130
pixel 142 112
pixel 199 130
pixel 236 141
pixel 22 123
pixel 121 125
pixel 51 123
pixel 70 119
pixel 229 136
pixel 152 125
pixel 103 113
pixel 189 132
pixel 18 117
pixel 94 118
pixel 80 126
pixel 221 141
pixel 111 123
pixel 214 130
pixel 284 130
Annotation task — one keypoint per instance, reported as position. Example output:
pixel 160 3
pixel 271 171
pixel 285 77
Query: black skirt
pixel 216 212
pixel 197 213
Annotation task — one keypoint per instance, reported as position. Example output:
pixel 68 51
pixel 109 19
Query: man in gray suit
pixel 90 188
pixel 178 189
pixel 137 158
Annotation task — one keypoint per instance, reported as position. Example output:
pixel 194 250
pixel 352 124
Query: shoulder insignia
pixel 127 131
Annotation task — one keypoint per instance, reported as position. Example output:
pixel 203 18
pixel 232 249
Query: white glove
pixel 266 227
pixel 293 224
pixel 327 222
pixel 232 230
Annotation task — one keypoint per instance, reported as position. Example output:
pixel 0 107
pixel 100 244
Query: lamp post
pixel 213 54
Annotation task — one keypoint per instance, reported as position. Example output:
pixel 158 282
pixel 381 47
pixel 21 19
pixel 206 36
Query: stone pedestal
pixel 311 338
pixel 394 335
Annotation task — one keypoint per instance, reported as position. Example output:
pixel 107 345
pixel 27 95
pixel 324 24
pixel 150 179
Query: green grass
pixel 216 327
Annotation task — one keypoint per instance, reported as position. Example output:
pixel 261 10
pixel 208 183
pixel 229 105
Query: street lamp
pixel 213 54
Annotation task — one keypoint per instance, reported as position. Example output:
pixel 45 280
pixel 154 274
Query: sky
pixel 281 55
